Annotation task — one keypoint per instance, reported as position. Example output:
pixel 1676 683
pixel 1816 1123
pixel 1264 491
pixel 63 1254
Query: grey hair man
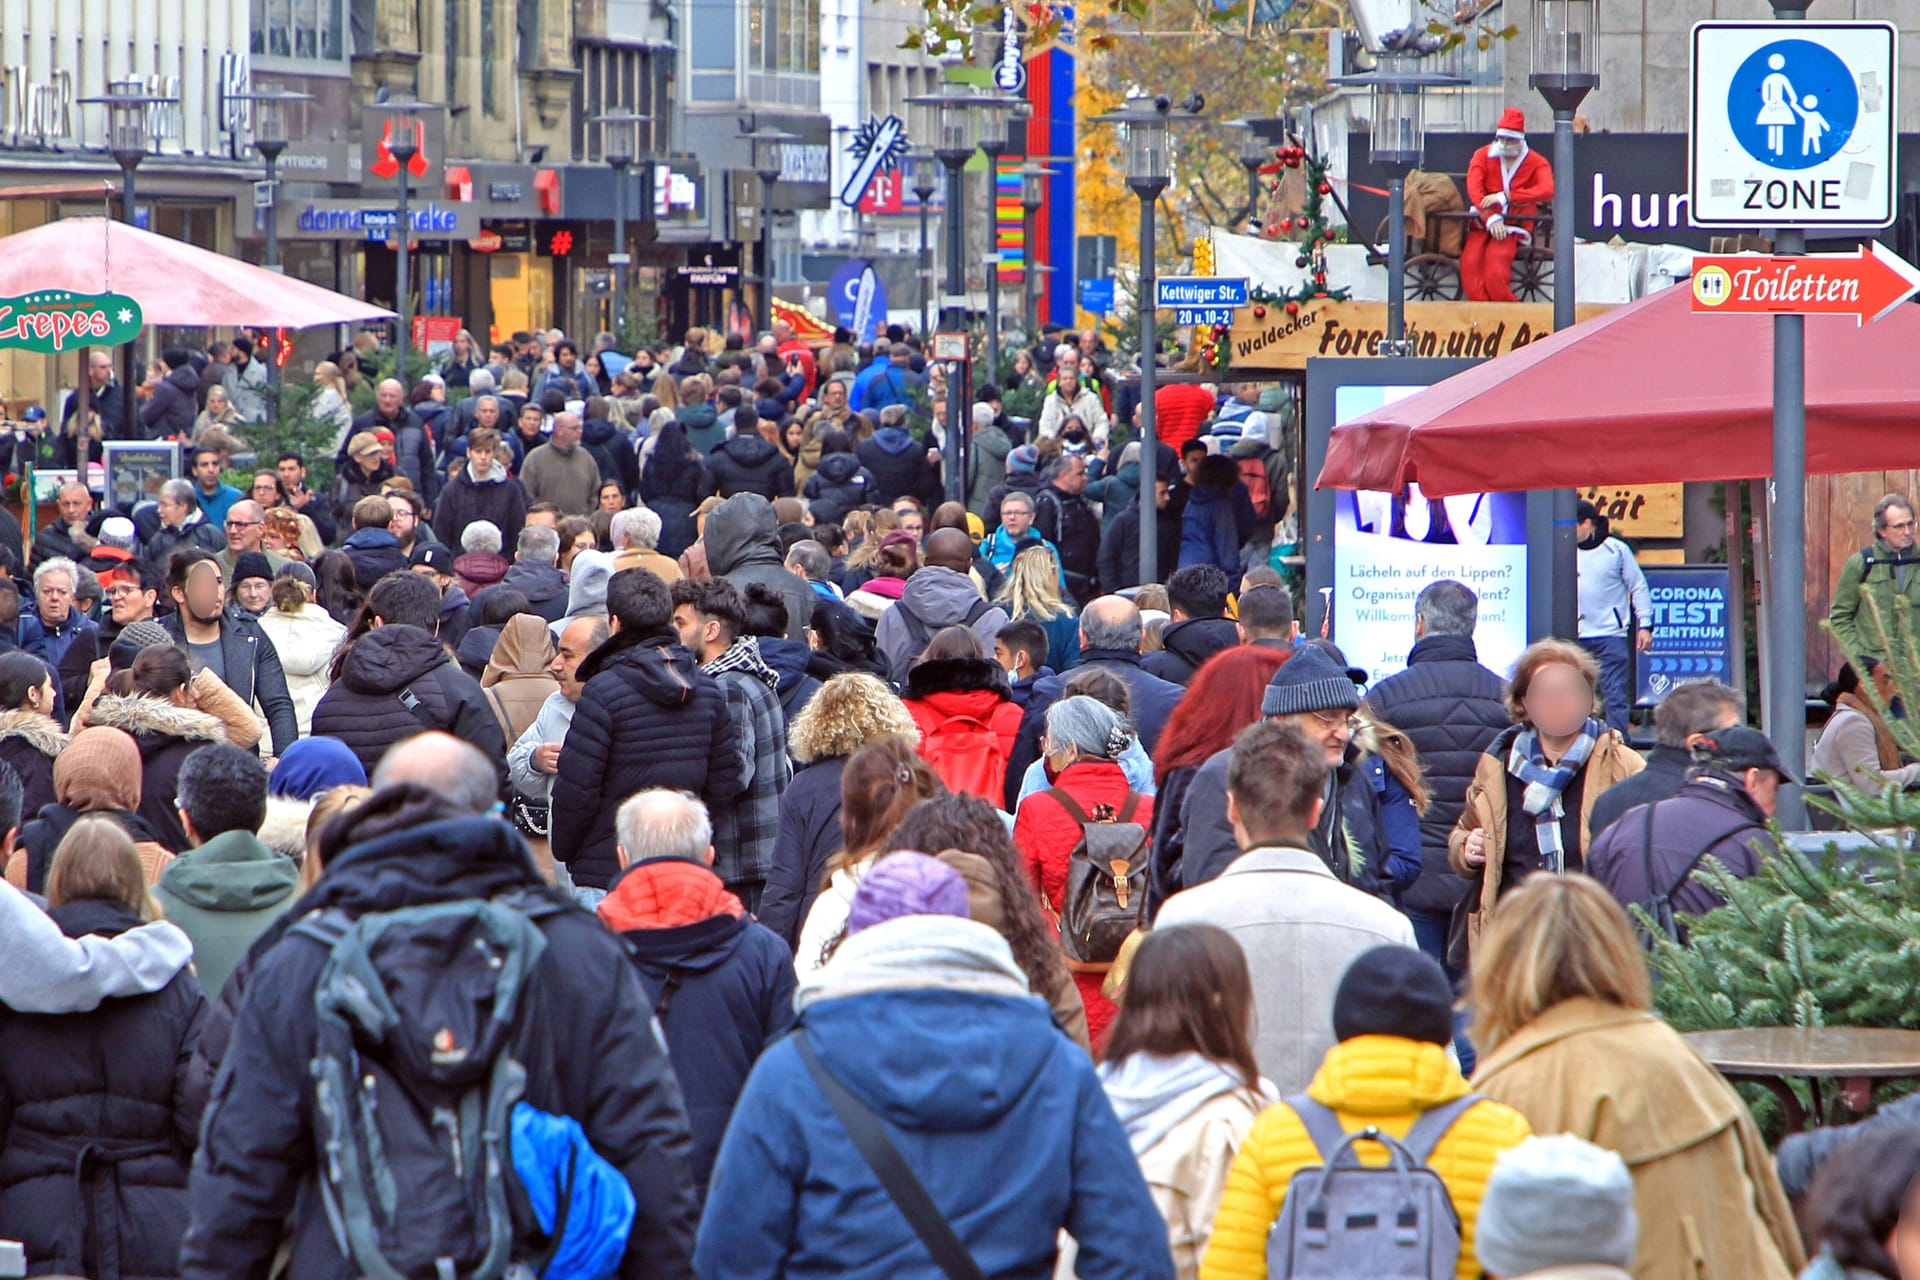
pixel 1110 637
pixel 454 768
pixel 483 536
pixel 1451 708
pixel 536 572
pixel 1688 714
pixel 657 823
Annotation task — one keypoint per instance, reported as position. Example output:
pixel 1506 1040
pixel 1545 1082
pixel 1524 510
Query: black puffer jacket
pixel 166 735
pixel 648 717
pixel 750 464
pixel 108 1082
pixel 897 460
pixel 363 708
pixel 1450 707
pixel 169 411
pixel 809 835
pixel 1069 522
pixel 837 486
pixel 1186 645
pixel 583 1008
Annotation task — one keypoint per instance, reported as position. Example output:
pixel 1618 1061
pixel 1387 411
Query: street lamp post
pixel 128 142
pixel 270 139
pixel 1148 174
pixel 619 144
pixel 923 167
pixel 399 122
pixel 1565 39
pixel 1258 137
pixel 1397 88
pixel 767 145
pixel 1033 194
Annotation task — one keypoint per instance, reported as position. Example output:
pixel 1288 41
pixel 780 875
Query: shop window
pixel 301 30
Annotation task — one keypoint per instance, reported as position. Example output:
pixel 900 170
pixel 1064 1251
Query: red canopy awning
pixel 1646 394
pixel 175 283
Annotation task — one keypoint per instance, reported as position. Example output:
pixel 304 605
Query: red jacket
pixel 1521 196
pixel 943 690
pixel 1045 835
pixel 1178 410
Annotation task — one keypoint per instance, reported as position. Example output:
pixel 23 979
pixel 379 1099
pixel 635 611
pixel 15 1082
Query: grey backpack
pixel 1343 1220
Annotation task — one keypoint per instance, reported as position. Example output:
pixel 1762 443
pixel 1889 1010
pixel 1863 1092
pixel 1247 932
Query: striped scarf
pixel 1546 782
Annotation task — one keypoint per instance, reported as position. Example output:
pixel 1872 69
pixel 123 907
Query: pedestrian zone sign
pixel 1793 124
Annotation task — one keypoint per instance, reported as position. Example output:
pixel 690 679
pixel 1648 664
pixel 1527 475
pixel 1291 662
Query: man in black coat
pixel 398 679
pixel 174 400
pixel 647 717
pixel 1120 544
pixel 1110 634
pixel 1200 627
pixel 228 641
pixel 1681 719
pixel 257 1178
pixel 482 490
pixel 1065 518
pixel 899 461
pixel 1450 707
pixel 749 462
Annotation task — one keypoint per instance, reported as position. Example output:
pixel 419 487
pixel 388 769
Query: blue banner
pixel 1692 629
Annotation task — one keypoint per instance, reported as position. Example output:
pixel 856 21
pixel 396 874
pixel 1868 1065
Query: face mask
pixel 1506 150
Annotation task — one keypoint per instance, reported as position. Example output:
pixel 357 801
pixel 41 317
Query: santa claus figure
pixel 1506 185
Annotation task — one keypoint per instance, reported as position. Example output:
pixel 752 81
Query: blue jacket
pixel 1210 533
pixel 999 1115
pixel 215 505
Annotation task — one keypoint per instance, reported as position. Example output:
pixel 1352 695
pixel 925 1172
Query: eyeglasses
pixel 122 591
pixel 1333 719
pixel 243 524
pixel 1903 524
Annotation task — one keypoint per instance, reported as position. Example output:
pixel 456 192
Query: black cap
pixel 1584 511
pixel 1739 749
pixel 1394 991
pixel 1356 674
pixel 252 564
pixel 435 556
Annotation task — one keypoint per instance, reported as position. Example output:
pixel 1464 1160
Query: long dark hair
pixel 338 591
pixel 673 457
pixel 1188 991
pixel 20 674
pixel 971 825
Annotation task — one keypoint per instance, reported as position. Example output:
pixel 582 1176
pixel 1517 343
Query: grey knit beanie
pixel 1557 1201
pixel 1309 680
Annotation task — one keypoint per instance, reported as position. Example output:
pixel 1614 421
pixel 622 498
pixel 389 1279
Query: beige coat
pixel 1187 1170
pixel 1612 761
pixel 1709 1202
pixel 663 566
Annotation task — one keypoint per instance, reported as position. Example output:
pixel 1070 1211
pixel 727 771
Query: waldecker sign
pixel 55 321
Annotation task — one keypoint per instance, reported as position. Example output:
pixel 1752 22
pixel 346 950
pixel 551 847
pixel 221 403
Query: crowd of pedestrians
pixel 645 830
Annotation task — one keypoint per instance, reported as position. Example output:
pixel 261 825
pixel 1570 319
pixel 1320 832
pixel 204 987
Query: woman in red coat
pixel 1083 743
pixel 965 711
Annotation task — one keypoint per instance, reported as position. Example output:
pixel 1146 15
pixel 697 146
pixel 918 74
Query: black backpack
pixel 1659 907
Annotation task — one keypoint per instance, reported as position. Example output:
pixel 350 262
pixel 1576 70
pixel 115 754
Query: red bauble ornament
pixel 1293 162
pixel 1293 308
pixel 1328 235
pixel 1259 313
pixel 1325 188
pixel 1300 263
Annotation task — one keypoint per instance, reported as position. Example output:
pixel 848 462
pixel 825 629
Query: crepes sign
pixel 54 321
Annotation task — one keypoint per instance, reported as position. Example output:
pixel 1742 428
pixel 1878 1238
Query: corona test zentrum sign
pixel 54 321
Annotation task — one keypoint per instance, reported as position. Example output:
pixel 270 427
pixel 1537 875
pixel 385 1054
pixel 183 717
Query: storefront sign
pixel 55 321
pixel 362 220
pixel 1442 330
pixel 709 274
pixel 435 333
pixel 673 191
pixel 1640 510
pixel 1692 629
pixel 487 241
pixel 426 170
pixel 506 192
pixel 36 112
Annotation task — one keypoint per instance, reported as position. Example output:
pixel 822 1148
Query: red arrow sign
pixel 1866 286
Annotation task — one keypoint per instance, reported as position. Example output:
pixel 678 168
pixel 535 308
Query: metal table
pixel 1856 1057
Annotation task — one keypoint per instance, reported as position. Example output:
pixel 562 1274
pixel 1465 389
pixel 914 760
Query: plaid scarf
pixel 744 655
pixel 1545 783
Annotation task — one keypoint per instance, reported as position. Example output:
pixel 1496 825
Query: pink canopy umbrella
pixel 175 283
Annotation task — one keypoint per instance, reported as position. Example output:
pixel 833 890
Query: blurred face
pixel 1904 1245
pixel 129 603
pixel 1898 531
pixel 266 489
pixel 1558 700
pixel 253 594
pixel 206 471
pixel 572 651
pixel 480 461
pixel 75 504
pixel 487 413
pixel 293 476
pixel 201 596
pixel 388 396
pixel 1016 516
pixel 55 595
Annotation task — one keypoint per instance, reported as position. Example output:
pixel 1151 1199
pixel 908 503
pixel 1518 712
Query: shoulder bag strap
pixel 1646 849
pixel 890 1167
pixel 1321 1124
pixel 1071 805
pixel 1707 848
pixel 1433 1125
pixel 1126 809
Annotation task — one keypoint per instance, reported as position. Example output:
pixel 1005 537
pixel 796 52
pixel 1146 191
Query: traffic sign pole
pixel 1787 690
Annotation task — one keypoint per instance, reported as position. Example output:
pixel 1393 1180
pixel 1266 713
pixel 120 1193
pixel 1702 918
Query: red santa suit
pixel 1517 186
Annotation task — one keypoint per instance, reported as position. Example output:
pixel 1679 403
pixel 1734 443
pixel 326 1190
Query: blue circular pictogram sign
pixel 1793 104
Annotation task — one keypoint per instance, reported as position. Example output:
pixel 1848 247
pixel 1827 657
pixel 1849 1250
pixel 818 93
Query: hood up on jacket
pixel 837 468
pixel 741 531
pixel 525 648
pixel 787 659
pixel 939 596
pixel 929 1020
pixel 388 659
pixel 895 440
pixel 658 665
pixel 234 871
pixel 587 583
pixel 1152 1094
pixel 154 722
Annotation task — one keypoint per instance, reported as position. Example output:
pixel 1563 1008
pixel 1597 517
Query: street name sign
pixel 1793 124
pixel 1866 285
pixel 1202 315
pixel 1199 291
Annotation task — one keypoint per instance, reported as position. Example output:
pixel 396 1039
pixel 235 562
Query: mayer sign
pixel 54 321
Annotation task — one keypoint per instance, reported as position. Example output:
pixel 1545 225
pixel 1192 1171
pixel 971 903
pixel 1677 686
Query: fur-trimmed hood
pixel 153 718
pixel 42 733
pixel 285 828
pixel 957 675
pixel 848 712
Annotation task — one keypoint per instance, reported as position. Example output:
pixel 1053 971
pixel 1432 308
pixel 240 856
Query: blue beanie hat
pixel 313 765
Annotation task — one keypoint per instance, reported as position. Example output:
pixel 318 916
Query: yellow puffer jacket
pixel 1369 1080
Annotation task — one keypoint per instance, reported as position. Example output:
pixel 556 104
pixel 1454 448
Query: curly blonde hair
pixel 848 712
